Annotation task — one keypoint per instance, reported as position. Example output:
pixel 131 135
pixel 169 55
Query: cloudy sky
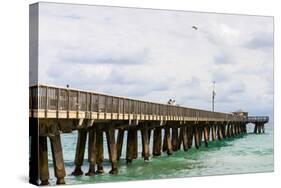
pixel 155 55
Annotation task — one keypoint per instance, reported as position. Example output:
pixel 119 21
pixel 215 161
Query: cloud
pixel 156 55
pixel 260 40
pixel 84 56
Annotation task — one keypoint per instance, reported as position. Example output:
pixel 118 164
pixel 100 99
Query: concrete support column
pixel 206 131
pixel 256 128
pixel 262 127
pixel 120 138
pixel 180 139
pixel 200 128
pixel 145 143
pixel 157 139
pixel 58 158
pixel 197 136
pixel 168 141
pixel 130 146
pixel 220 132
pixel 135 143
pixel 175 138
pixel 245 128
pixel 34 151
pixel 43 161
pixel 92 158
pixel 189 130
pixel 224 130
pixel 259 128
pixel 184 138
pixel 80 150
pixel 229 132
pixel 214 132
pixel 100 156
pixel 112 150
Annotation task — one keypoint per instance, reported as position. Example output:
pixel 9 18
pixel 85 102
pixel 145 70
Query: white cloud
pixel 156 55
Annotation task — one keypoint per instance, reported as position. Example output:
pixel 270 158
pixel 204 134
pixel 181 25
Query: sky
pixel 156 55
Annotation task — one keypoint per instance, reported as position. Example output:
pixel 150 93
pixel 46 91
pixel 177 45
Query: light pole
pixel 213 96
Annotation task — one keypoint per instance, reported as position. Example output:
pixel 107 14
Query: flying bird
pixel 194 27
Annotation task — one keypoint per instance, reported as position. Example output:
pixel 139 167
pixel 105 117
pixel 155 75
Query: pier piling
pixel 157 138
pixel 206 131
pixel 197 133
pixel 92 158
pixel 100 156
pixel 120 138
pixel 112 151
pixel 168 141
pixel 145 143
pixel 80 150
pixel 175 138
pixel 43 161
pixel 190 132
pixel 185 138
pixel 58 158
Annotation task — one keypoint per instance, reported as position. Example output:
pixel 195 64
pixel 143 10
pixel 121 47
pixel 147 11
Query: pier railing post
pixel 58 158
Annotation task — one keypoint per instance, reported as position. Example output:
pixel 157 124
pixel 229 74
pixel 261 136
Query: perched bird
pixel 67 86
pixel 194 27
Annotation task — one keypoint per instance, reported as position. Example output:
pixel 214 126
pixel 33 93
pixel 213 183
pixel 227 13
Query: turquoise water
pixel 243 154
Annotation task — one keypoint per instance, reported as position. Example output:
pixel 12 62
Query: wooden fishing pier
pixel 57 110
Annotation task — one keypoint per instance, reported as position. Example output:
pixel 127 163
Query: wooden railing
pixel 51 98
pixel 253 119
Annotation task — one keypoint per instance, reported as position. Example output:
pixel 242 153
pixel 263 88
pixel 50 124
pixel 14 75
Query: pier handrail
pixel 48 97
pixel 257 119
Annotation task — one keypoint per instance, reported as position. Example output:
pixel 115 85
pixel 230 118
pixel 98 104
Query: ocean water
pixel 249 153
